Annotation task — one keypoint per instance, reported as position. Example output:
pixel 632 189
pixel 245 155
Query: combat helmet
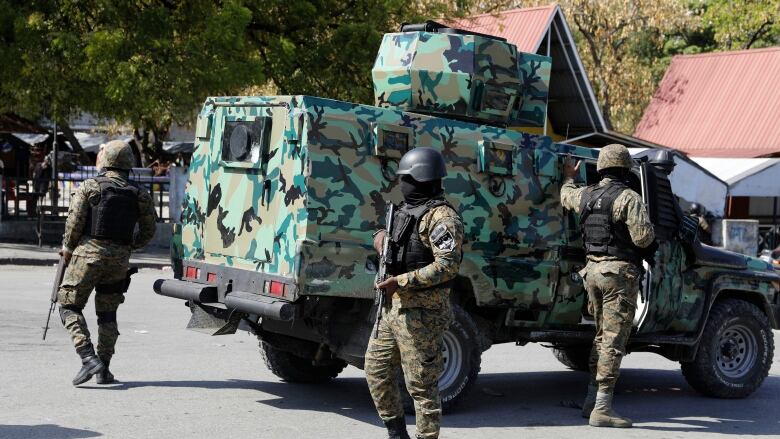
pixel 116 154
pixel 423 164
pixel 614 155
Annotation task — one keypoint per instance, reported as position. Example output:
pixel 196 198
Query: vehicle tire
pixel 735 352
pixel 462 360
pixel 295 369
pixel 575 357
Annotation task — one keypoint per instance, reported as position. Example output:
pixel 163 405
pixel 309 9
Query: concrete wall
pixel 739 236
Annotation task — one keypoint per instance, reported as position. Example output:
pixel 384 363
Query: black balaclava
pixel 619 174
pixel 417 192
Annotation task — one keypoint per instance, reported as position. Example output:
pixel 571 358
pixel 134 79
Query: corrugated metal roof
pixel 724 104
pixel 524 28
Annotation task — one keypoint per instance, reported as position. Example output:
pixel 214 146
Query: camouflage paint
pixel 307 208
pixel 462 76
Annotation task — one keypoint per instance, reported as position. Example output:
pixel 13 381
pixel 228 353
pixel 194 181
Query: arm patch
pixel 442 238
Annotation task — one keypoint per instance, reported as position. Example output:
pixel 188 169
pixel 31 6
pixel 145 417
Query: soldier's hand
pixel 66 255
pixel 571 170
pixel 390 285
pixel 379 239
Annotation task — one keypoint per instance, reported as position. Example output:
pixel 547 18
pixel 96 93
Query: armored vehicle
pixel 285 191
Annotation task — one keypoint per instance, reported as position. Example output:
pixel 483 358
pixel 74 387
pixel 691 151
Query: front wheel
pixel 735 352
pixel 462 358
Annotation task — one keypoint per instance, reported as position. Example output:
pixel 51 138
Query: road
pixel 183 384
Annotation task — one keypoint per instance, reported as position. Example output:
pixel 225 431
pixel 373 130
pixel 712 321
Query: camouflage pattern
pixel 302 206
pixel 612 292
pixel 427 287
pixel 614 155
pixel 467 76
pixel 76 241
pixel 98 261
pixel 628 208
pixel 82 275
pixel 410 338
pixel 116 154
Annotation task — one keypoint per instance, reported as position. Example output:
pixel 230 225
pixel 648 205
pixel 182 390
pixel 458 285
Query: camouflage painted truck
pixel 285 191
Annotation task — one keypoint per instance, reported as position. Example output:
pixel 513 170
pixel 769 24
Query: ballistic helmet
pixel 116 154
pixel 423 164
pixel 614 156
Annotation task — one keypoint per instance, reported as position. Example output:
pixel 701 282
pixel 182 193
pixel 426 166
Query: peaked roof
pixel 525 28
pixel 572 107
pixel 724 104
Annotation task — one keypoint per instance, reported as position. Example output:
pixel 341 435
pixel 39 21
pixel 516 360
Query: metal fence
pixel 48 199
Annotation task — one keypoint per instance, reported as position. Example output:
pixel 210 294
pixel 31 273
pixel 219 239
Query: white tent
pixel 758 177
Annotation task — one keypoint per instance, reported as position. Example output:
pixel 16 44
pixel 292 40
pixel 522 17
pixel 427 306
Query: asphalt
pixel 177 383
pixel 29 254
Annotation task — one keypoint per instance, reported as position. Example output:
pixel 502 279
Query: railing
pixel 34 199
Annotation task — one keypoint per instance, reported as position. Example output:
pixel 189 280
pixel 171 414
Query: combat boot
pixel 396 428
pixel 590 401
pixel 105 376
pixel 603 415
pixel 90 365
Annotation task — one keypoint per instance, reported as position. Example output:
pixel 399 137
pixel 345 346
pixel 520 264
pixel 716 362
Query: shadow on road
pixel 44 431
pixel 657 400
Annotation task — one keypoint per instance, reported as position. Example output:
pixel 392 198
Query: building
pixel 722 109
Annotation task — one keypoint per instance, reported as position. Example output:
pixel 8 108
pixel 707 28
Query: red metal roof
pixel 724 104
pixel 524 28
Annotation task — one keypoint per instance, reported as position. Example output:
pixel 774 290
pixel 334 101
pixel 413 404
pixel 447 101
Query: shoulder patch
pixel 442 238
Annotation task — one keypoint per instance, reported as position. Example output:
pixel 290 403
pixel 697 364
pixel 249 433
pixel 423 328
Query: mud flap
pixel 213 321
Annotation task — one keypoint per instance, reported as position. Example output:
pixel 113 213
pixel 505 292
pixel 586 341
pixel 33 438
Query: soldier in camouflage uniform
pixel 618 234
pixel 426 253
pixel 96 245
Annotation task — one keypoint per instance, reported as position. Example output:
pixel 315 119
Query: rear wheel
pixel 462 358
pixel 735 352
pixel 574 357
pixel 295 369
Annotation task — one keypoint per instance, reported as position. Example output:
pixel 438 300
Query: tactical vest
pixel 115 215
pixel 407 250
pixel 602 235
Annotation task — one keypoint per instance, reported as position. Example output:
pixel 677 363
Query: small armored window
pixel 246 141
pixel 496 158
pixel 392 141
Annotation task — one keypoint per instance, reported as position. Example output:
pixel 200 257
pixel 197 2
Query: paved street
pixel 182 384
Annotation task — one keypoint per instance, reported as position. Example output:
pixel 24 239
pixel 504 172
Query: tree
pixel 743 24
pixel 151 63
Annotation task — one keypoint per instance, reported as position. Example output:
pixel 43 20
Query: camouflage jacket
pixel 441 230
pixel 81 244
pixel 628 208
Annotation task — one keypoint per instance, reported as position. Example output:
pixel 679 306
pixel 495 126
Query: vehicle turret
pixel 434 69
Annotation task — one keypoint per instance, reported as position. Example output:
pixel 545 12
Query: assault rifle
pixel 57 281
pixel 384 261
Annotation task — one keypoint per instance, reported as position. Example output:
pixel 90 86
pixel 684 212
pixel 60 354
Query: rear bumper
pixel 240 290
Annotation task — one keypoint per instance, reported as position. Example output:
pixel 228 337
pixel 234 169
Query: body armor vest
pixel 115 215
pixel 408 252
pixel 602 235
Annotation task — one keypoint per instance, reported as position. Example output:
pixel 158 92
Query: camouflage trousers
pixel 612 292
pixel 412 339
pixel 82 275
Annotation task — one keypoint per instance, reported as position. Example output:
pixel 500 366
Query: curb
pixel 50 262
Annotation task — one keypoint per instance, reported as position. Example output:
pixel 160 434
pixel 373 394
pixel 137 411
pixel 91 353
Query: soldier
pixel 617 235
pixel 426 253
pixel 99 235
pixel 700 214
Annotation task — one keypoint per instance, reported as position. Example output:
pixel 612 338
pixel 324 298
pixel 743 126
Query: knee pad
pixel 70 310
pixel 106 317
